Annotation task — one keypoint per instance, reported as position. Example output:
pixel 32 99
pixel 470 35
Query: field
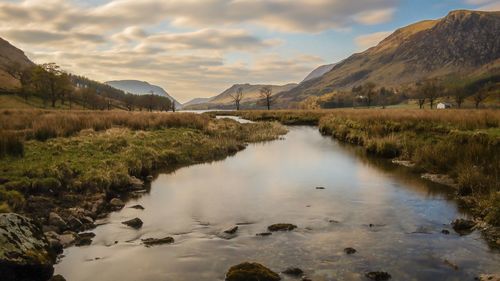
pixel 51 159
pixel 463 144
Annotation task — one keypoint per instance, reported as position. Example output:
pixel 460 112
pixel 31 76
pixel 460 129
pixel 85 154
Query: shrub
pixel 4 208
pixel 493 216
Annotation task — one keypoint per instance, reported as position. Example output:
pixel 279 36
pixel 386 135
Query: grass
pixel 464 144
pixel 82 153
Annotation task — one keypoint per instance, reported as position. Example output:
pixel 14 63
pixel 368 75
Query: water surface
pixel 276 182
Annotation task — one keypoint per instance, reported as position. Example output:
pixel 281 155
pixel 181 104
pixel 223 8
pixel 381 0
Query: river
pixel 390 216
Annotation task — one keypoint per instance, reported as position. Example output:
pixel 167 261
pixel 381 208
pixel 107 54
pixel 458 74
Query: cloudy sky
pixel 197 48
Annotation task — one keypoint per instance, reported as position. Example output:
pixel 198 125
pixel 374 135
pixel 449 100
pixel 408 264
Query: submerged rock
pixel 136 184
pixel 251 272
pixel 229 233
pixel 320 187
pixel 350 251
pixel 440 179
pixel 134 223
pixel 138 207
pixel 281 227
pixel 294 271
pixel 25 252
pixel 157 241
pixel 463 226
pixel 445 231
pixel 264 234
pixel 378 275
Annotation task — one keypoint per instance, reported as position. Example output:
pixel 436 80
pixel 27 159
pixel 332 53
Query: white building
pixel 443 105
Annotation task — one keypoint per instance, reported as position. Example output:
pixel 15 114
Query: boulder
pixel 378 275
pixel 251 271
pixel 281 227
pixel 149 178
pixel 293 271
pixel 84 239
pixel 75 224
pixel 463 226
pixel 116 204
pixel 148 242
pixel 134 223
pixel 67 239
pixel 229 233
pixel 57 221
pixel 25 252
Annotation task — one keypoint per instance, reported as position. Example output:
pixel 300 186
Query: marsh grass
pixel 79 153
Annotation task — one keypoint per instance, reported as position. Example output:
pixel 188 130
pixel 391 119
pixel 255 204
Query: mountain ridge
pixel 138 87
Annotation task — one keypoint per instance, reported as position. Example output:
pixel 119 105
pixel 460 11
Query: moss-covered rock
pixel 25 253
pixel 248 271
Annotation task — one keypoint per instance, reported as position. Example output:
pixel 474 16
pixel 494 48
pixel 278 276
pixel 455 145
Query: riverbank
pixel 67 169
pixel 459 148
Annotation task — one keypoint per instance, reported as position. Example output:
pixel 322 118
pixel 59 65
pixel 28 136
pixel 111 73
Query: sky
pixel 198 48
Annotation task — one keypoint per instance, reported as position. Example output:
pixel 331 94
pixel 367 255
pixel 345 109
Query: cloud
pixel 369 40
pixel 191 47
pixel 485 5
pixel 375 16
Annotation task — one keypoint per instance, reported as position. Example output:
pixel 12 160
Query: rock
pixel 320 187
pixel 463 226
pixel 306 279
pixel 294 271
pixel 54 242
pixel 138 207
pixel 281 227
pixel 134 223
pixel 67 239
pixel 75 224
pixel 264 234
pixel 229 233
pixel 445 231
pixel 136 184
pixel 25 252
pixel 57 221
pixel 251 272
pixel 116 204
pixel 488 277
pixel 378 275
pixel 450 264
pixel 350 251
pixel 157 241
pixel 231 230
pixel 84 239
pixel 149 178
pixel 440 179
pixel 57 278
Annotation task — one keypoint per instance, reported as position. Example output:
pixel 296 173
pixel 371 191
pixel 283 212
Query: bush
pixel 4 208
pixel 14 199
pixel 493 216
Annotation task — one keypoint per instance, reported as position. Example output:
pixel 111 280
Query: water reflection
pixel 275 182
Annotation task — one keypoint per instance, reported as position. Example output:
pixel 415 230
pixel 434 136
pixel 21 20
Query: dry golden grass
pixel 45 124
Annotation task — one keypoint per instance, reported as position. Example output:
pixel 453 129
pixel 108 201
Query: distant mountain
pixel 251 94
pixel 463 42
pixel 11 60
pixel 320 71
pixel 196 101
pixel 141 88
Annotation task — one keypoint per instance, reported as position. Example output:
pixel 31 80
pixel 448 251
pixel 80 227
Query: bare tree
pixel 237 97
pixel 266 93
pixel 430 89
pixel 481 94
pixel 173 105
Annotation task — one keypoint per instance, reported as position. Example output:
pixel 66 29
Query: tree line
pixel 51 84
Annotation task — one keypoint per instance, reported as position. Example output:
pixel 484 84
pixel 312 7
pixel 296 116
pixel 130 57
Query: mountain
pixel 196 101
pixel 318 72
pixel 11 60
pixel 463 42
pixel 251 94
pixel 141 88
